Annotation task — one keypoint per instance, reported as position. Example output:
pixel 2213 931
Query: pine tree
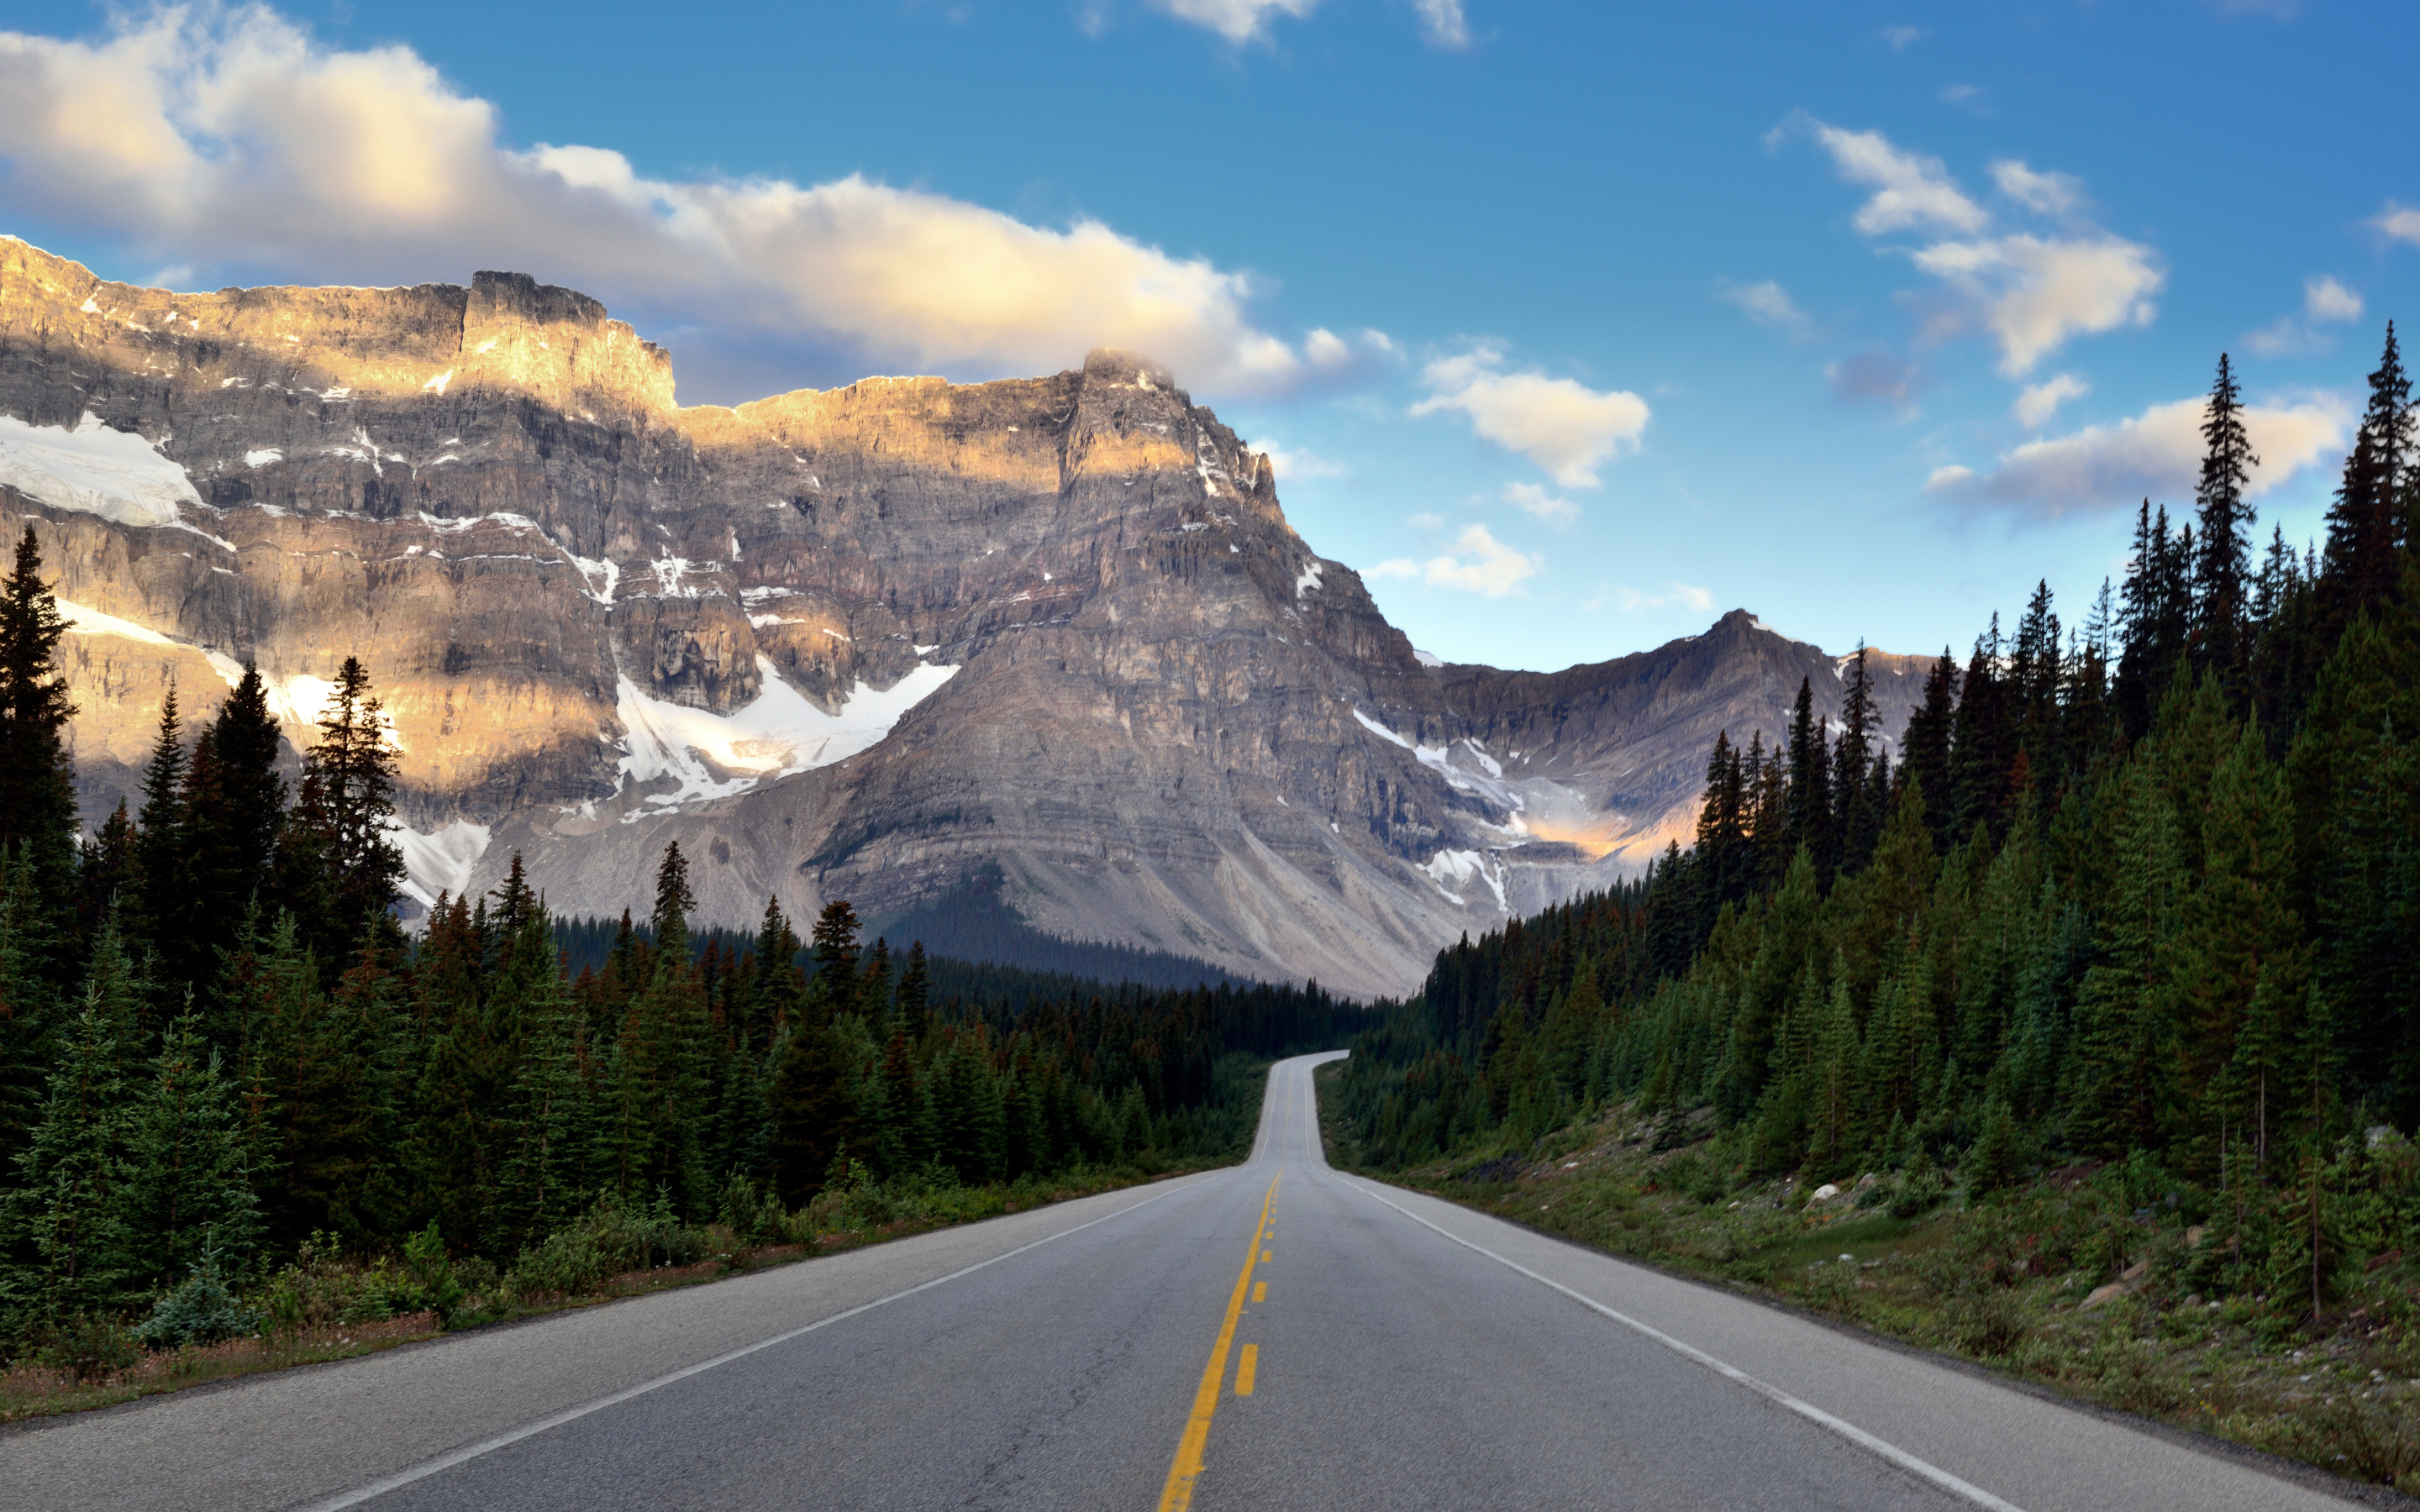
pixel 834 950
pixel 2223 569
pixel 62 1239
pixel 38 807
pixel 2365 523
pixel 1980 755
pixel 915 989
pixel 1926 761
pixel 189 1185
pixel 340 865
pixel 1809 799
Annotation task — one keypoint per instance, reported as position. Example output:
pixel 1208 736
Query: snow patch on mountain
pixel 93 470
pixel 439 861
pixel 716 755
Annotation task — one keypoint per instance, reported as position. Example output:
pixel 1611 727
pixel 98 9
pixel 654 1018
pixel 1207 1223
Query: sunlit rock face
pixel 851 643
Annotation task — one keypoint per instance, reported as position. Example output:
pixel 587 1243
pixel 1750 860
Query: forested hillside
pixel 220 1054
pixel 2144 890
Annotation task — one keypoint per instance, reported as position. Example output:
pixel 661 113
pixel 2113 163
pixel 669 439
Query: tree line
pixel 2144 888
pixel 220 1047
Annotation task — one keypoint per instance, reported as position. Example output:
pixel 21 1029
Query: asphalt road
pixel 1276 1334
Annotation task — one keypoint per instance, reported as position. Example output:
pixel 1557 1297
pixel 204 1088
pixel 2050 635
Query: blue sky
pixel 1572 325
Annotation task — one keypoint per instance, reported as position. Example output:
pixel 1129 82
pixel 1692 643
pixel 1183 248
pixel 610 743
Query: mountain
pixel 869 642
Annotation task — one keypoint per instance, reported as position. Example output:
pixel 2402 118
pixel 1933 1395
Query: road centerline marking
pixel 1260 1291
pixel 1176 1495
pixel 1246 1369
pixel 1922 1469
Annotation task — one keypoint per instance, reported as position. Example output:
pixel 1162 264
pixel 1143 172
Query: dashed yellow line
pixel 1260 1294
pixel 1177 1494
pixel 1244 1369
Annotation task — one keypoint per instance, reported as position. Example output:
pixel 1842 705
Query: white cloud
pixel 1293 465
pixel 1483 565
pixel 1442 23
pixel 2040 401
pixel 231 137
pixel 1564 426
pixel 1910 190
pixel 2050 194
pixel 2155 454
pixel 1426 521
pixel 1899 39
pixel 1632 600
pixel 2324 298
pixel 2032 294
pixel 2283 334
pixel 1768 303
pixel 1326 349
pixel 1239 21
pixel 1530 499
pixel 2400 223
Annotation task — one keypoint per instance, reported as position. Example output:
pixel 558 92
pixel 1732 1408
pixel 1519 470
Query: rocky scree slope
pixel 858 643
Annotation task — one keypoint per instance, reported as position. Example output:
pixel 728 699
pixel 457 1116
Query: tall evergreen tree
pixel 2223 570
pixel 38 807
pixel 340 861
pixel 188 1188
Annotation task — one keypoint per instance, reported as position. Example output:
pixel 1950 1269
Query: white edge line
pixel 512 1436
pixel 1923 1470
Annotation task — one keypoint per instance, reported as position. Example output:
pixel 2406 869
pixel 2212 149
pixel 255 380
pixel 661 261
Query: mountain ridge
pixel 859 642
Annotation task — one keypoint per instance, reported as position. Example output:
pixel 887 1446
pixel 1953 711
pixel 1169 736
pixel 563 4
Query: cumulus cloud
pixel 2398 222
pixel 1479 564
pixel 1239 21
pixel 1911 191
pixel 1632 600
pixel 1563 425
pixel 2325 301
pixel 1883 376
pixel 2324 298
pixel 1530 499
pixel 1294 465
pixel 1442 23
pixel 2050 194
pixel 2033 293
pixel 230 137
pixel 2040 401
pixel 2030 293
pixel 1768 303
pixel 2154 455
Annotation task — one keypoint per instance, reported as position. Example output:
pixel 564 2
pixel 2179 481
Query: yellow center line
pixel 1268 1255
pixel 1260 1292
pixel 1244 1369
pixel 1177 1494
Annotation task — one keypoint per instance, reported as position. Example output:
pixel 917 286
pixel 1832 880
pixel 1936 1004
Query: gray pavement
pixel 1401 1353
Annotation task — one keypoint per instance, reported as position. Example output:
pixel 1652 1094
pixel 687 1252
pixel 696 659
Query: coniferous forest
pixel 2139 896
pixel 232 1086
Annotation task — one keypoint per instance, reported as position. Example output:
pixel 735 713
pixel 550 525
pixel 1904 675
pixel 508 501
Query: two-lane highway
pixel 1276 1334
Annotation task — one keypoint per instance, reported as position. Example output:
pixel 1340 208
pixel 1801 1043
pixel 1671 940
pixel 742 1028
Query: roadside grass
pixel 2002 1282
pixel 324 1306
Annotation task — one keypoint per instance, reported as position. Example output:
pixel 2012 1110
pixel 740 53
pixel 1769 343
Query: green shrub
pixel 88 1346
pixel 201 1310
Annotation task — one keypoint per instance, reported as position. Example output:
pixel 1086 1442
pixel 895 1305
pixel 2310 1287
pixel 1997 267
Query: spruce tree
pixel 340 865
pixel 1926 747
pixel 38 807
pixel 915 990
pixel 834 951
pixel 188 1188
pixel 2222 571
pixel 63 1240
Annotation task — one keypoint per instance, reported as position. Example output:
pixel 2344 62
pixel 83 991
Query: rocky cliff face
pixel 854 643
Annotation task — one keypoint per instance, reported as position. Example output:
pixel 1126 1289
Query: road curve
pixel 1276 1335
